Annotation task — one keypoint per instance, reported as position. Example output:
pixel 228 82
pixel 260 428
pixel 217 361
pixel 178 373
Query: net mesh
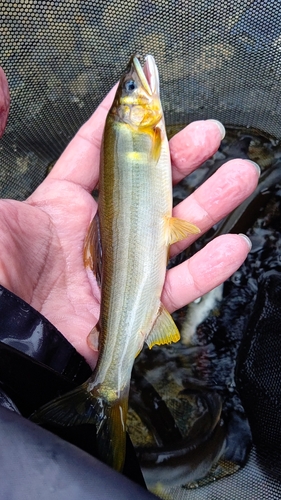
pixel 216 60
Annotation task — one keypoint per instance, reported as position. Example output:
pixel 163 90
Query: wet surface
pixel 188 400
pixel 204 362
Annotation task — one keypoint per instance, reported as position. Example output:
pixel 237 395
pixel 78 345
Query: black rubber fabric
pixel 38 364
pixel 35 464
pixel 259 367
pixel 25 329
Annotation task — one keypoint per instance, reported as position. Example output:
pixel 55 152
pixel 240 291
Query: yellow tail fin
pixel 81 407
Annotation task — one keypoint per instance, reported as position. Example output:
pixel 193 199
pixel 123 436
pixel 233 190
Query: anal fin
pixel 164 330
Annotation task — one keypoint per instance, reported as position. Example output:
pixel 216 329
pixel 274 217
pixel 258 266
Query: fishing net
pixel 216 60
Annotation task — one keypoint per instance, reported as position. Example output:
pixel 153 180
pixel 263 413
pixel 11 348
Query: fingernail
pixel 220 127
pixel 246 239
pixel 255 165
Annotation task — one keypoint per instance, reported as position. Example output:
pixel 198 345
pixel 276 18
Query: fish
pixel 127 249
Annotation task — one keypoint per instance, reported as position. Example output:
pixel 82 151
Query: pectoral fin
pixel 92 254
pixel 157 143
pixel 94 338
pixel 164 330
pixel 178 229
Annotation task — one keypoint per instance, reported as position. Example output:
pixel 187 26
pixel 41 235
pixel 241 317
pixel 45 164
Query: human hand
pixel 4 101
pixel 41 239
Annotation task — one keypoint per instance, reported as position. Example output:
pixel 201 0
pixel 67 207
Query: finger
pixel 79 163
pixel 204 271
pixel 4 101
pixel 193 145
pixel 229 186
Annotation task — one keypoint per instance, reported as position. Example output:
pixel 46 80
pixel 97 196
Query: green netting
pixel 217 59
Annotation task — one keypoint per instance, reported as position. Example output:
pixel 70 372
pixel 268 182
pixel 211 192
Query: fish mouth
pixel 148 75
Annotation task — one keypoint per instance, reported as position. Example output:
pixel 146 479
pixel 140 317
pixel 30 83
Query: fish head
pixel 137 100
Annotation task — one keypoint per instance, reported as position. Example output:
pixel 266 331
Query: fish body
pixel 127 247
pixel 135 206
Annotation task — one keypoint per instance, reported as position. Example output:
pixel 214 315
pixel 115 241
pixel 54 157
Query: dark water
pixel 202 367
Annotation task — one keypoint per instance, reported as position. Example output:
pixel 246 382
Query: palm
pixel 41 246
pixel 41 239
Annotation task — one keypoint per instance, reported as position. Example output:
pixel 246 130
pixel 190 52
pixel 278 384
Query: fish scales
pixel 134 257
pixel 134 228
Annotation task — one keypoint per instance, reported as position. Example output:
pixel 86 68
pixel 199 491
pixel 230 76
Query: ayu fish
pixel 127 247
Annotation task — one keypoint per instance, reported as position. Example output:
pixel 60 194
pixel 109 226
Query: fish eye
pixel 130 85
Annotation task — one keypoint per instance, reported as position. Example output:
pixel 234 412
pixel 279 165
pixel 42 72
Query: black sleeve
pixel 37 364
